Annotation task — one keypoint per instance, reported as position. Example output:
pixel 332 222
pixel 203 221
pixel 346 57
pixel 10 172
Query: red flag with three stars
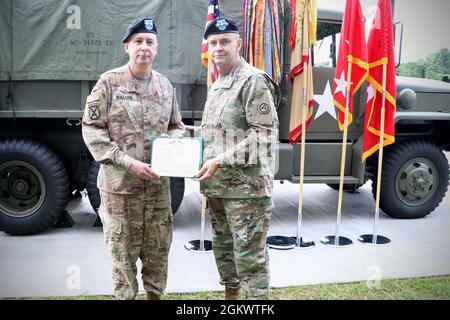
pixel 381 52
pixel 353 49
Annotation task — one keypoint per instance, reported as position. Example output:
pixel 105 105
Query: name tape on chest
pixel 123 97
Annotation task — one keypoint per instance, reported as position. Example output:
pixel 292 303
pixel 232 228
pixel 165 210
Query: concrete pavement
pixel 75 261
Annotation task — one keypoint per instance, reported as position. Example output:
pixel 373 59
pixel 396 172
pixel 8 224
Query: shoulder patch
pixel 93 98
pixel 94 112
pixel 264 108
pixel 93 104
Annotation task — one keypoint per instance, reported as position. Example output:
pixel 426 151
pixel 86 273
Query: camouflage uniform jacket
pixel 121 115
pixel 240 129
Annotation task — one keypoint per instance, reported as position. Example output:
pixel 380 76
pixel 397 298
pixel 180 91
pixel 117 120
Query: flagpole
pixel 380 158
pixel 299 241
pixel 337 240
pixel 302 151
pixel 202 224
pixel 202 245
pixel 375 239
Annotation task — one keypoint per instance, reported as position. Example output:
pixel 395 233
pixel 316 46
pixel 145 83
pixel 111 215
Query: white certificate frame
pixel 177 157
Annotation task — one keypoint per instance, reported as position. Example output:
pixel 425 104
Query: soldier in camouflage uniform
pixel 240 128
pixel 126 107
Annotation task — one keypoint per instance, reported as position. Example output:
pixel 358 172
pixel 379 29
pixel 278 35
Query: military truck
pixel 52 53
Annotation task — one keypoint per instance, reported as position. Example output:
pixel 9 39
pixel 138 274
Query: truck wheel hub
pixel 20 186
pixel 23 189
pixel 416 181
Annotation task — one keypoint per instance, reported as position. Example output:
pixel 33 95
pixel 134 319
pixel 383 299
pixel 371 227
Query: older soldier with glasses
pixel 240 128
pixel 126 107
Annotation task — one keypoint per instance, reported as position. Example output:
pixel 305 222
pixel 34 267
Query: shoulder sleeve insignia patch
pixel 94 111
pixel 264 108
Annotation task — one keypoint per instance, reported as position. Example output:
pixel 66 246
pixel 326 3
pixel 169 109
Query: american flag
pixel 213 13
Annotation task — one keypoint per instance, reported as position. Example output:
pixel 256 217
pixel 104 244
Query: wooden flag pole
pixel 380 157
pixel 344 151
pixel 302 151
pixel 199 245
pixel 202 224
pixel 299 242
pixel 342 241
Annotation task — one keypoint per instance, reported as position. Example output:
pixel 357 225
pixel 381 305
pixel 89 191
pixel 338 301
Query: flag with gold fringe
pixel 302 37
pixel 352 49
pixel 381 52
pixel 263 35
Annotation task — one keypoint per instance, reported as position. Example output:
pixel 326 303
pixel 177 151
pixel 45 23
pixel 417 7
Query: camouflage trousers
pixel 239 243
pixel 137 226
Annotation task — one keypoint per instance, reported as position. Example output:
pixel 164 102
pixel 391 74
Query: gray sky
pixel 424 24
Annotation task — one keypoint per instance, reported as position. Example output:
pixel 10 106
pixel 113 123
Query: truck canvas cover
pixel 81 39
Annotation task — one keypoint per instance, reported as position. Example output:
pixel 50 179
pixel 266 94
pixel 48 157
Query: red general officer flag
pixel 352 49
pixel 381 52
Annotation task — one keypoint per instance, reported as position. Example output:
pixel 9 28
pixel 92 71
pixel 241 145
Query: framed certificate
pixel 176 157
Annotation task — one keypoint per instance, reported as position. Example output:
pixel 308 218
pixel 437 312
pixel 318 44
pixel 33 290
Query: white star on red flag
pixel 341 85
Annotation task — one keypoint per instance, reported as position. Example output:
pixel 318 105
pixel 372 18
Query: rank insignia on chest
pixel 157 97
pixel 94 112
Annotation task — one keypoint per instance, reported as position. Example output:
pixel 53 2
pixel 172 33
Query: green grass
pixel 431 288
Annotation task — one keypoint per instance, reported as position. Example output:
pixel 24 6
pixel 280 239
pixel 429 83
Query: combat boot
pixel 231 293
pixel 153 296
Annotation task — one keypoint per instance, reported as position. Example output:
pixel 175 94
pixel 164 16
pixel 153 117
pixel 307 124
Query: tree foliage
pixel 434 66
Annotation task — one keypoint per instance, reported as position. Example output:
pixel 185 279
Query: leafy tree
pixel 434 66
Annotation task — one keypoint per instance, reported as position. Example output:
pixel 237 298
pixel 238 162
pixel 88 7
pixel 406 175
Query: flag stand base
pixel 280 242
pixel 342 241
pixel 303 243
pixel 368 239
pixel 194 245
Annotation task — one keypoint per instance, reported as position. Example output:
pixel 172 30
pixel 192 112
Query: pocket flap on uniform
pixel 116 226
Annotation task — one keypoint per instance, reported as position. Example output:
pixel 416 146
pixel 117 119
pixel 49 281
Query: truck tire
pixel 34 187
pixel 414 180
pixel 176 189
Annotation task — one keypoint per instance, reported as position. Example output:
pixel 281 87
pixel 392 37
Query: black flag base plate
pixel 194 245
pixel 368 239
pixel 342 241
pixel 280 242
pixel 303 243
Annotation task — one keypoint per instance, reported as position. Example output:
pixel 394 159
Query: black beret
pixel 220 25
pixel 141 25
